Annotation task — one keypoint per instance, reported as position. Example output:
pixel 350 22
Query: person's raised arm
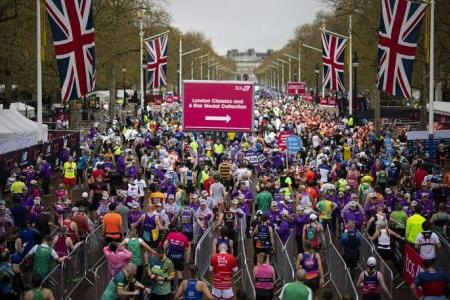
pixel 180 290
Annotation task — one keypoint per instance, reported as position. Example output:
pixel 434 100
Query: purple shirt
pixel 46 170
pixel 299 222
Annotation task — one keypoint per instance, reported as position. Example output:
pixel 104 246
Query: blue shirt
pixel 81 163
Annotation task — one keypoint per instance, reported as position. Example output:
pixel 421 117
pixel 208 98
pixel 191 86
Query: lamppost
pixel 317 71
pixel 355 68
pixel 124 70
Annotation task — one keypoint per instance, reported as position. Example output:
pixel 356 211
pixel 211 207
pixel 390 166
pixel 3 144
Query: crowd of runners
pixel 156 189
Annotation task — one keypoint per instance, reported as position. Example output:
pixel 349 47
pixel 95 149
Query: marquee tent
pixel 18 132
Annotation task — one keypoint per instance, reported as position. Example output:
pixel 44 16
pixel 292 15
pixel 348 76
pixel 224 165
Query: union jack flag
pixel 333 55
pixel 400 24
pixel 72 26
pixel 157 61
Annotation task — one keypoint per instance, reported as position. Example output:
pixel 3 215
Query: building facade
pixel 246 62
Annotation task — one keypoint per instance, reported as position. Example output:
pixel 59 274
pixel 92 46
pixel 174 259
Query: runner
pixel 192 288
pixel 223 265
pixel 372 282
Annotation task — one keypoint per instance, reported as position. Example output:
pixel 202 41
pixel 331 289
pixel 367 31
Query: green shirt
pixel 134 245
pixel 163 268
pixel 118 281
pixel 296 291
pixel 399 217
pixel 263 201
pixel 42 260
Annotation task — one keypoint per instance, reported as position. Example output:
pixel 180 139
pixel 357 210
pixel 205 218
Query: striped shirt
pixel 224 170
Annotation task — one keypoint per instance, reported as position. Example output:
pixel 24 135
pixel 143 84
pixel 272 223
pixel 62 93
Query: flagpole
pixel 180 67
pixel 38 63
pixel 431 83
pixel 299 64
pixel 350 71
pixel 141 34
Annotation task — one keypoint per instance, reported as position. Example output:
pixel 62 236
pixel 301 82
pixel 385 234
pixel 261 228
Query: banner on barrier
pixel 412 264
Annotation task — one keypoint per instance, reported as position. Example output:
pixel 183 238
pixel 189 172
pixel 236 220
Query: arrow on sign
pixel 226 118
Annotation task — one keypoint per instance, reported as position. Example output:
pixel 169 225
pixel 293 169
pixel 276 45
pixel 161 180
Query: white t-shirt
pixel 428 247
pixel 141 186
pixel 132 190
pixel 316 141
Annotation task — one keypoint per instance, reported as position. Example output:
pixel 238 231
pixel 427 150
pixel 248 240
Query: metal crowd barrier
pixel 338 271
pixel 101 279
pixel 365 251
pixel 279 257
pixel 203 252
pixel 247 278
pixel 94 245
pixel 443 254
pixel 284 258
pixel 54 281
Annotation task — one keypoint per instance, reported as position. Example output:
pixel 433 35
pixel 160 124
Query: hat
pixel 37 201
pixel 414 203
pixel 388 191
pixel 372 195
pixel 313 217
pixel 105 197
pixel 273 204
pixel 259 212
pixel 354 196
pixel 235 201
pixel 285 212
pixel 171 196
pixel 33 182
pixel 353 204
pixel 194 196
pixel 84 195
pixel 158 204
pixel 74 210
pixel 81 209
pixel 204 193
pixel 371 261
pixel 203 202
pixel 2 204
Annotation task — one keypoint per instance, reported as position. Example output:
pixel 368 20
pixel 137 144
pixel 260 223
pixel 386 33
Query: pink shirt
pixel 264 277
pixel 116 260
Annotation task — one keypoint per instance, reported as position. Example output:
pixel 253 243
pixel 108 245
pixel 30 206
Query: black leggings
pixel 263 294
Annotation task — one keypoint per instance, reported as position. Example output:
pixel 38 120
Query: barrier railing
pixel 291 246
pixel 54 281
pixel 279 256
pixel 203 251
pixel 247 278
pixel 101 278
pixel 339 273
pixel 443 254
pixel 94 248
pixel 75 269
pixel 365 251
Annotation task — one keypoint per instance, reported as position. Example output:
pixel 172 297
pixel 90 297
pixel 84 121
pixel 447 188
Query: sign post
pixel 218 106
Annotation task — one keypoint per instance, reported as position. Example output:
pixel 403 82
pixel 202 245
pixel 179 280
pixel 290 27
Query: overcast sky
pixel 242 24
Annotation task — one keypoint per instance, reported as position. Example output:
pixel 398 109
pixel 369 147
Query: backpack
pixel 312 235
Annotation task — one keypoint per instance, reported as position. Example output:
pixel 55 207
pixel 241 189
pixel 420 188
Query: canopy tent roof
pixel 18 132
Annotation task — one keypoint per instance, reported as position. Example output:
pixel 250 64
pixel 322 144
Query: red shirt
pixel 223 265
pixel 207 183
pixel 419 176
pixel 178 242
pixel 97 173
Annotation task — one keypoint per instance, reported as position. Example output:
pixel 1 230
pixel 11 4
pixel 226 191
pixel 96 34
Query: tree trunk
pixel 112 90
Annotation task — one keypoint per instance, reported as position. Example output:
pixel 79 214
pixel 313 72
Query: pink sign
pixel 331 101
pixel 282 136
pixel 218 106
pixel 296 88
pixel 412 264
pixel 323 101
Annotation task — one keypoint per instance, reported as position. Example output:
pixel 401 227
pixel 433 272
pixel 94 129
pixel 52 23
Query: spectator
pixel 43 255
pixel 372 282
pixel 264 276
pixel 433 284
pixel 351 241
pixel 117 286
pixel 414 224
pixel 38 292
pixel 192 288
pixel 427 241
pixel 161 271
pixel 223 265
pixel 45 174
pixel 18 213
pixel 117 257
pixel 112 225
pixel 297 290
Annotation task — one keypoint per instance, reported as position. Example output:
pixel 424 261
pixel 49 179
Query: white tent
pixel 26 110
pixel 18 132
